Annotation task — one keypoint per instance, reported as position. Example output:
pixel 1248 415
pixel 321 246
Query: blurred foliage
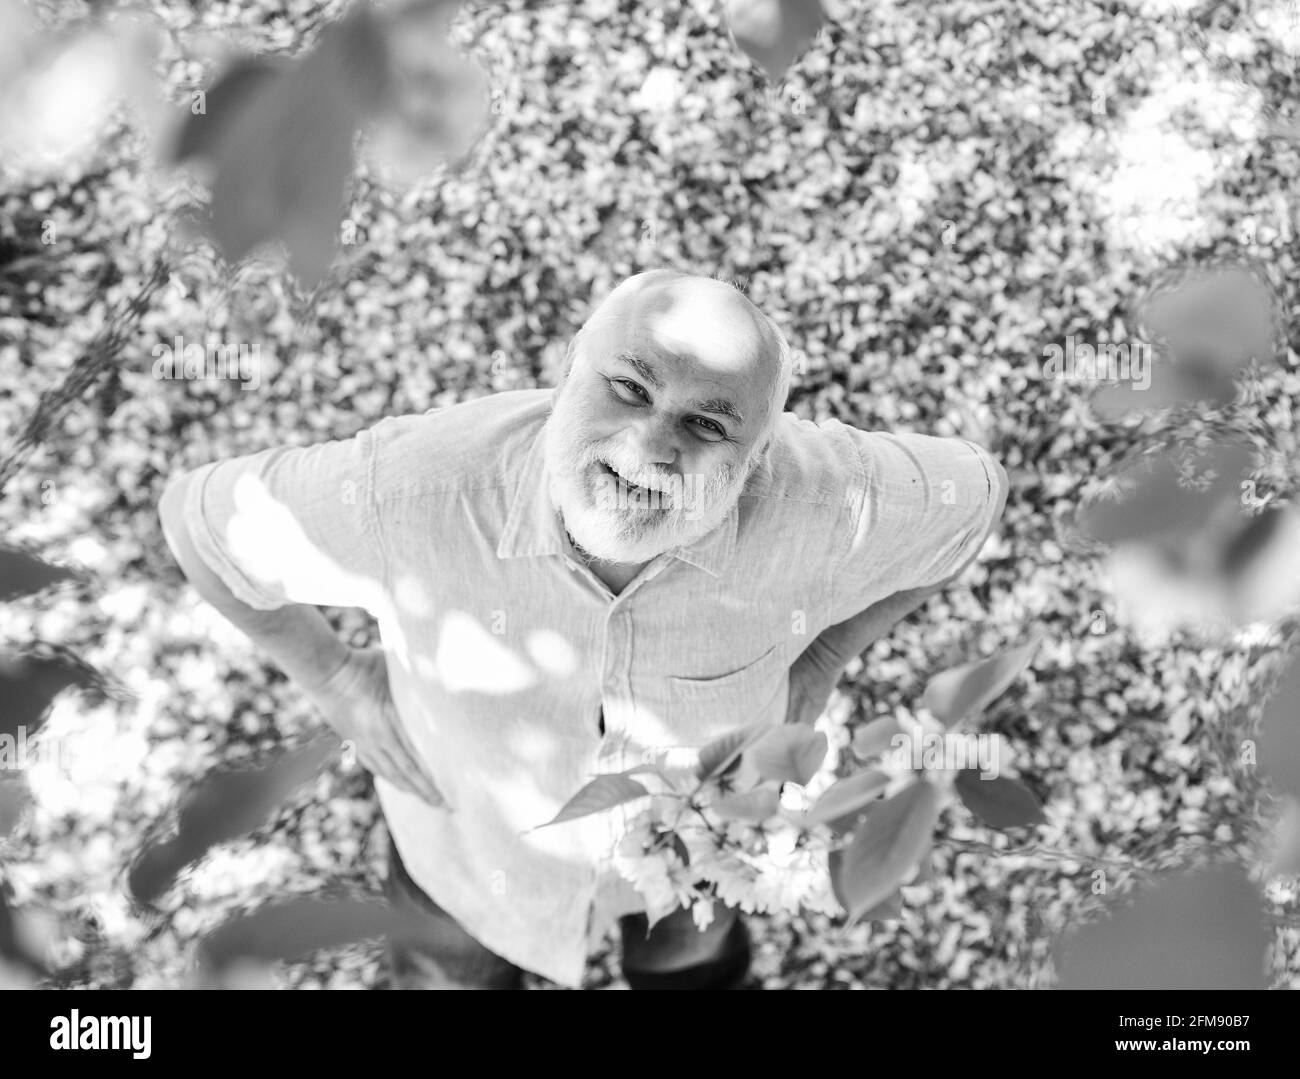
pixel 277 138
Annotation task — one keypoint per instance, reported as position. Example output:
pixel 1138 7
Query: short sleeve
pixel 292 524
pixel 921 507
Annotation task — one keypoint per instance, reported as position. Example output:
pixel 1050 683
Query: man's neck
pixel 616 575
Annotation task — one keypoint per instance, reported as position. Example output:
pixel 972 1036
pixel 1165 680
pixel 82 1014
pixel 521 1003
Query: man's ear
pixel 558 388
pixel 762 455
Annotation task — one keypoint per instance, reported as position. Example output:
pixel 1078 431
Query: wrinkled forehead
pixel 699 329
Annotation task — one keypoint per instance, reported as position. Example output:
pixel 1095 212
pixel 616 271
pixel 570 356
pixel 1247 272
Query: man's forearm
pixel 828 655
pixel 296 637
pixel 835 646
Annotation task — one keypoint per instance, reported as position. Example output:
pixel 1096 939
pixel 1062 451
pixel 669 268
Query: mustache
pixel 651 480
pixel 705 486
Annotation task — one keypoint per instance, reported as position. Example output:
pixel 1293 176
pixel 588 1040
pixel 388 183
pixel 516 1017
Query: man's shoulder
pixel 822 458
pixel 472 444
pixel 831 463
pixel 809 462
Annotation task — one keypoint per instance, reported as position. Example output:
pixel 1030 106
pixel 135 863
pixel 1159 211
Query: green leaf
pixel 961 691
pixel 603 792
pixel 640 770
pixel 28 686
pixel 11 948
pixel 1000 802
pixel 885 849
pixel 14 799
pixel 774 33
pixel 282 145
pixel 1168 384
pixel 22 574
pixel 889 909
pixel 848 796
pixel 790 753
pixel 293 928
pixel 1215 320
pixel 234 92
pixel 876 737
pixel 717 755
pixel 1159 501
pixel 441 103
pixel 925 867
pixel 224 805
pixel 1279 732
pixel 16 964
pixel 1202 930
pixel 1243 544
pixel 754 806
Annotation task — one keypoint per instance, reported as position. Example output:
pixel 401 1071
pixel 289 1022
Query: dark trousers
pixel 440 954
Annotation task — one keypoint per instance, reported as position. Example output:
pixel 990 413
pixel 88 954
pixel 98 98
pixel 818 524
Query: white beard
pixel 604 521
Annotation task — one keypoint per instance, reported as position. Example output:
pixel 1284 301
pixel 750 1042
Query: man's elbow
pixel 171 509
pixel 1004 485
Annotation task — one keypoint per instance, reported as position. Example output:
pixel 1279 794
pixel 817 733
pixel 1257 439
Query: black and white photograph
pixel 700 494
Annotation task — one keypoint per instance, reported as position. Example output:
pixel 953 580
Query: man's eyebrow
pixel 640 366
pixel 722 407
pixel 719 406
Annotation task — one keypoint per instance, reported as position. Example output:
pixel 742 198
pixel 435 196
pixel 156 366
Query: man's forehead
pixel 696 311
pixel 696 329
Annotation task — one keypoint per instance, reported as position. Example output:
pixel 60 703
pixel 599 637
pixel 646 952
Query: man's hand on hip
pixel 816 672
pixel 813 678
pixel 357 702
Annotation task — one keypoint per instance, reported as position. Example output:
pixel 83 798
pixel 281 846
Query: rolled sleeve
pixel 290 524
pixel 922 507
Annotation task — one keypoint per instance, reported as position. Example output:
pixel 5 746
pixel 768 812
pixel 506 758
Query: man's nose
pixel 655 440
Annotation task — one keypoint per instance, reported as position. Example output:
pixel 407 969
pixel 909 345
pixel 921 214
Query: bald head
pixel 672 393
pixel 704 325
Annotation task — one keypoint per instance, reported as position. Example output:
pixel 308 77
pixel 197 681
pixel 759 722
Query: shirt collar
pixel 533 526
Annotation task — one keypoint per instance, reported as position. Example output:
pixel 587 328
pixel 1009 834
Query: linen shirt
pixel 515 671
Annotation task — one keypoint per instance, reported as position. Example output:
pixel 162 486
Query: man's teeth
pixel 635 488
pixel 619 476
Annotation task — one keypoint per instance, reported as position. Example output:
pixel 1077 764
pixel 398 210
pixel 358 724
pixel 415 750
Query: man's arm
pixel 348 686
pixel 297 637
pixel 816 672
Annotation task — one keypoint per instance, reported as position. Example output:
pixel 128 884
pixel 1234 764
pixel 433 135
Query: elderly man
pixel 650 555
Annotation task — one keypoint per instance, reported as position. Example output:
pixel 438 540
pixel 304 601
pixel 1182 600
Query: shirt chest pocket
pixel 700 709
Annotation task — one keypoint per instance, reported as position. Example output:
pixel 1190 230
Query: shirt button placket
pixel 617 644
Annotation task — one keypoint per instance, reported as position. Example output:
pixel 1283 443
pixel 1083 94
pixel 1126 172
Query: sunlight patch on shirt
pixel 270 546
pixel 552 653
pixel 412 596
pixel 470 659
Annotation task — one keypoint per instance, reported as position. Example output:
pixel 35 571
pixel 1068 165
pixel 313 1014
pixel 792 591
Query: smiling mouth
pixel 639 499
pixel 626 483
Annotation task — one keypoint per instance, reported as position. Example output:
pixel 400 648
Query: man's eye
pixel 712 429
pixel 627 386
